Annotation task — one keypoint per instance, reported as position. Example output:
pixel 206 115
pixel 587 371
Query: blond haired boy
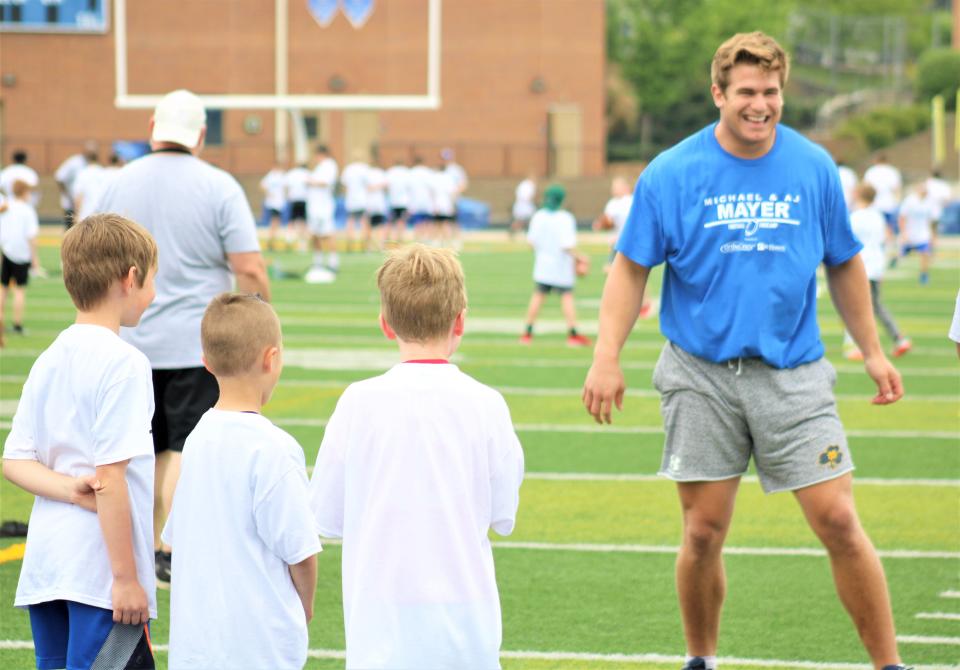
pixel 80 442
pixel 416 466
pixel 241 523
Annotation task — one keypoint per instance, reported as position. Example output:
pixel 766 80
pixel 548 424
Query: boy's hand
pixel 85 492
pixel 129 602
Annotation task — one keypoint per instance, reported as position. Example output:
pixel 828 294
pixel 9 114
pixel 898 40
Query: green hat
pixel 553 197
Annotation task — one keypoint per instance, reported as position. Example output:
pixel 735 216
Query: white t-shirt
pixel 240 517
pixel 354 179
pixel 88 401
pixel 87 188
pixel 320 202
pixel 274 183
pixel 198 214
pixel 955 326
pixel 420 191
pixel 459 177
pixel 938 194
pixel 918 215
pixel 397 185
pixel 65 174
pixel 376 191
pixel 848 182
pixel 523 206
pixel 552 235
pixel 296 183
pixel 413 489
pixel 20 172
pixel 887 182
pixel 444 193
pixel 18 226
pixel 870 228
pixel 618 209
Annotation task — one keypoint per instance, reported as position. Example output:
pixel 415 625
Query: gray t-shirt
pixel 198 214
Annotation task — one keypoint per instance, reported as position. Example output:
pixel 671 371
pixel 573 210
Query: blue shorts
pixel 72 635
pixel 923 248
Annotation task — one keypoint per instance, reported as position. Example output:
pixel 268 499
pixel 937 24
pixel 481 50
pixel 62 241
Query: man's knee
pixel 703 537
pixel 839 529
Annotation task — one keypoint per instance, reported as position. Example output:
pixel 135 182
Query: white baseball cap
pixel 179 118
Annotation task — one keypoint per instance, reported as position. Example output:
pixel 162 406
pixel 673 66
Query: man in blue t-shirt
pixel 742 213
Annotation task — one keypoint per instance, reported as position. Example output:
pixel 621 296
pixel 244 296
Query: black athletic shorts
pixel 377 219
pixel 547 288
pixel 180 398
pixel 274 213
pixel 445 217
pixel 18 272
pixel 298 210
pixel 397 213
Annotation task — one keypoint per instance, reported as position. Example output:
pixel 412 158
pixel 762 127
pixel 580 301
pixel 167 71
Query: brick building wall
pixel 505 64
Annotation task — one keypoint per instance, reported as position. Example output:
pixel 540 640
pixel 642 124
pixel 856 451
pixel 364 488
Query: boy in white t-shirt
pixel 274 188
pixel 524 204
pixel 870 227
pixel 415 487
pixel 18 242
pixel 354 179
pixel 244 560
pixel 553 236
pixel 917 217
pixel 80 442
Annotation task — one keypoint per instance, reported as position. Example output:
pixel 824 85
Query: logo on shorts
pixel 674 463
pixel 832 456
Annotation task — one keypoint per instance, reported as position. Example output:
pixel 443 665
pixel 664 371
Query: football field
pixel 586 579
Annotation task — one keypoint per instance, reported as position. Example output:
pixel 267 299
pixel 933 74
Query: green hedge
pixel 883 126
pixel 938 73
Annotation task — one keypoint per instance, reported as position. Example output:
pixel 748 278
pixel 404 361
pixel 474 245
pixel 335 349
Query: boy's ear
pixel 270 358
pixel 459 324
pixel 203 359
pixel 129 280
pixel 386 329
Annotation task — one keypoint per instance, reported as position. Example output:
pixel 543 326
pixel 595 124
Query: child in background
pixel 18 241
pixel 245 565
pixel 273 185
pixel 917 215
pixel 553 236
pixel 80 442
pixel 870 227
pixel 415 487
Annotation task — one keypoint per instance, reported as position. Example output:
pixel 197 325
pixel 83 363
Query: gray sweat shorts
pixel 716 415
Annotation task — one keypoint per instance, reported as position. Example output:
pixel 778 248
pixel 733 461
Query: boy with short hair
pixel 553 236
pixel 18 240
pixel 80 442
pixel 917 229
pixel 245 565
pixel 415 487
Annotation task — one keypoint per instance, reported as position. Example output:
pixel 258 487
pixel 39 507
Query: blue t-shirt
pixel 742 240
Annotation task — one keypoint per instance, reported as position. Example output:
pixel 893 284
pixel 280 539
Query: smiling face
pixel 750 108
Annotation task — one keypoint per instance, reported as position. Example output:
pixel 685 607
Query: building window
pixel 92 5
pixel 53 13
pixel 214 127
pixel 311 125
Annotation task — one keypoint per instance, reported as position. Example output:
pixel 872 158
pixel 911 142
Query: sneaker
pixel 903 346
pixel 853 354
pixel 162 560
pixel 320 275
pixel 526 338
pixel 695 663
pixel 18 329
pixel 578 341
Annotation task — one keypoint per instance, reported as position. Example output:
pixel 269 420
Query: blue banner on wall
pixel 322 10
pixel 357 11
pixel 54 16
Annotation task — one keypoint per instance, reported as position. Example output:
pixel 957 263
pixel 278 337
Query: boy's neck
pixel 239 394
pixel 425 351
pixel 103 315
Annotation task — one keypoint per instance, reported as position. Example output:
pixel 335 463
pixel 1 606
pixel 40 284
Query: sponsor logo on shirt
pixel 751 212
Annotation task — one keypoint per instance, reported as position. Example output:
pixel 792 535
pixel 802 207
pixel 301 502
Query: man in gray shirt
pixel 206 235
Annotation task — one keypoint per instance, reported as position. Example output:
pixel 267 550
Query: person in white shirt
pixel 445 194
pixel 415 486
pixel 273 185
pixel 955 325
pixel 354 180
pixel 87 186
pixel 244 560
pixel 296 180
pixel 848 181
pixel 917 228
pixel 80 442
pixel 887 182
pixel 65 176
pixel 458 176
pixel 20 171
pixel 377 210
pixel 18 242
pixel 321 210
pixel 939 193
pixel 524 204
pixel 871 229
pixel 553 236
pixel 398 195
pixel 420 205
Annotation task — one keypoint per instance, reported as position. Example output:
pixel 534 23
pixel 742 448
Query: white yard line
pixel 909 554
pixel 583 657
pixel 613 477
pixel 942 616
pixel 652 430
pixel 950 594
pixel 925 639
